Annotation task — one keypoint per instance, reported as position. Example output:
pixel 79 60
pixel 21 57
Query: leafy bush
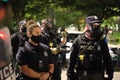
pixel 117 36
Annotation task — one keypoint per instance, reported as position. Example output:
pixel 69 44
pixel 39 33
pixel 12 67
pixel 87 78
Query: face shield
pixel 6 59
pixel 94 26
pixel 22 26
pixel 43 23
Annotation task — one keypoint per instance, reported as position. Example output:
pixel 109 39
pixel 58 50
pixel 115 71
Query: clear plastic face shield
pixel 7 71
pixel 6 64
pixel 22 26
pixel 43 22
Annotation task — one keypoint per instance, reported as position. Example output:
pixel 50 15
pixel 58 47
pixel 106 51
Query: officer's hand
pixel 44 76
pixel 54 50
pixel 110 76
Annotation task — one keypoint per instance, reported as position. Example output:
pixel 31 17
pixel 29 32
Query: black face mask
pixel 96 32
pixel 97 29
pixel 36 39
pixel 23 29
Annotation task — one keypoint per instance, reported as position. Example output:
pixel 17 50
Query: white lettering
pixel 10 68
pixel 6 71
pixel 1 75
pixel 11 77
pixel 89 48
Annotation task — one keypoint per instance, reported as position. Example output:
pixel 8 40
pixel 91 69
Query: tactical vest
pixel 51 40
pixel 89 57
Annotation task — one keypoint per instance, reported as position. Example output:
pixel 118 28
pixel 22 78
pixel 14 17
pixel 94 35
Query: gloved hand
pixel 54 50
pixel 110 75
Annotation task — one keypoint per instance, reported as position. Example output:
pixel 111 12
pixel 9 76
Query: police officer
pixel 52 39
pixel 18 39
pixel 34 58
pixel 90 54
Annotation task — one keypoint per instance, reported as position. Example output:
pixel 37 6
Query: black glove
pixel 110 75
pixel 71 76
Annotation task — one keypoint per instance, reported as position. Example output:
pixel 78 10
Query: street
pixel 116 75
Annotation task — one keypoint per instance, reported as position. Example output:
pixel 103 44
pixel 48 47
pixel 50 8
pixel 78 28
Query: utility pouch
pixel 40 64
pixel 86 63
pixel 81 57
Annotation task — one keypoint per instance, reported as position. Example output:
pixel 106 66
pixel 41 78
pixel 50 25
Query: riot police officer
pixel 90 54
pixel 35 58
pixel 53 40
pixel 18 39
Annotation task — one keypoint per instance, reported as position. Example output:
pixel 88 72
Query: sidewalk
pixel 114 45
pixel 116 75
pixel 63 75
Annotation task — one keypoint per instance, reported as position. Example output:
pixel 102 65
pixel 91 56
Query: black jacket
pixel 77 65
pixel 17 39
pixel 37 58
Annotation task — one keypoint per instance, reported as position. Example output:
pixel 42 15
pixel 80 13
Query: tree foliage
pixel 102 8
pixel 65 12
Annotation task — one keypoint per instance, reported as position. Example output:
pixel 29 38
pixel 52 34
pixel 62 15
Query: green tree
pixel 65 12
pixel 102 8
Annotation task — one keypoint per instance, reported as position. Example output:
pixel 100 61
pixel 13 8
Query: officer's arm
pixel 14 43
pixel 29 72
pixel 14 38
pixel 21 58
pixel 51 61
pixel 73 58
pixel 107 59
pixel 51 68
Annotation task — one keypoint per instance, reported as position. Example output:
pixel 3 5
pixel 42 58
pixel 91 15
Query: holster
pixel 107 79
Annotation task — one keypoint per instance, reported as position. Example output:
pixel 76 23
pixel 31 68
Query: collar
pixel 32 46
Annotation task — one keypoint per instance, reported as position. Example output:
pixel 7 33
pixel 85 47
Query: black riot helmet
pixel 22 26
pixel 95 26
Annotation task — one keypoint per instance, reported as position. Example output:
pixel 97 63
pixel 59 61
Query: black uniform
pixel 90 60
pixel 17 39
pixel 36 57
pixel 50 36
